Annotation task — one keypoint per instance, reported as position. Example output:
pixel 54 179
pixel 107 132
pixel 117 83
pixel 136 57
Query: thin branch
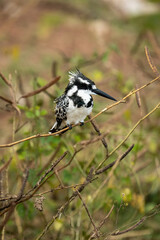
pixel 130 132
pixel 53 165
pixel 150 61
pixel 138 99
pixel 93 236
pixel 31 192
pixel 5 80
pixel 103 140
pixel 97 172
pixel 62 208
pixel 50 159
pixel 89 215
pixel 67 128
pixel 139 222
pixel 6 100
pixel 90 178
pixel 5 165
pixel 114 165
pixel 23 185
pixel 30 94
pixel 7 216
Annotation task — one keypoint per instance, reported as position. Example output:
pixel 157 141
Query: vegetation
pixel 99 181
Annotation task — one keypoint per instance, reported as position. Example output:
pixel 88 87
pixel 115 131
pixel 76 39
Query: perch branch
pixel 67 128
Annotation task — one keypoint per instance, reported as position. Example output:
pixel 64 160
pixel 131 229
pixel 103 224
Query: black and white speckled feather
pixel 76 103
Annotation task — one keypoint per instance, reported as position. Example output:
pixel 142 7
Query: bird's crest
pixel 74 75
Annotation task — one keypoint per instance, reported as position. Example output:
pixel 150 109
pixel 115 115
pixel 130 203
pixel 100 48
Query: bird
pixel 76 103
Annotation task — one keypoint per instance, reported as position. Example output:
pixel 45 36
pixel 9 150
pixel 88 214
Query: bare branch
pixel 153 212
pixel 103 140
pixel 130 132
pixel 5 165
pixel 50 159
pixel 5 80
pixel 6 100
pixel 7 216
pixel 89 215
pixel 23 185
pixel 40 89
pixel 93 236
pixel 111 164
pixel 63 130
pixel 150 61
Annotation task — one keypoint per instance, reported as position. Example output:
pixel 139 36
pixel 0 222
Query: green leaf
pixel 43 112
pixel 22 107
pixel 37 113
pixel 30 114
pixel 41 81
pixel 137 147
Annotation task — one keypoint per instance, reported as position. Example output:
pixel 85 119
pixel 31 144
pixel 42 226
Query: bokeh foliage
pixel 117 64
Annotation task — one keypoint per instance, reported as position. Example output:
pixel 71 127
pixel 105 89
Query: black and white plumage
pixel 76 103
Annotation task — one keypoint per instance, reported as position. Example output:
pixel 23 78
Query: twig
pixel 63 130
pixel 150 61
pixel 50 159
pixel 61 209
pixel 89 215
pixel 23 185
pixel 97 172
pixel 6 100
pixel 59 179
pixel 5 80
pixel 90 177
pixel 31 192
pixel 30 94
pixel 7 216
pixel 93 236
pixel 21 88
pixel 138 99
pixel 130 132
pixel 99 133
pixel 114 165
pixel 137 223
pixel 5 165
pixel 54 68
pixel 49 170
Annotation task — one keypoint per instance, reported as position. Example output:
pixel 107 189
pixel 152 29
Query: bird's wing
pixel 61 107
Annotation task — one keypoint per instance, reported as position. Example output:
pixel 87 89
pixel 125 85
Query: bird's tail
pixel 53 128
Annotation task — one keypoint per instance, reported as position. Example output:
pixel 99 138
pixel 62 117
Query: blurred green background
pixel 105 39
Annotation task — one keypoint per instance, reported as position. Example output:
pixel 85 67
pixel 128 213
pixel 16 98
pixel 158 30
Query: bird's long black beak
pixel 103 94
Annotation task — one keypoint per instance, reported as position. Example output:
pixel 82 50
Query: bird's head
pixel 80 82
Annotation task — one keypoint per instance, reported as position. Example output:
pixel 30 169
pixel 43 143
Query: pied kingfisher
pixel 76 103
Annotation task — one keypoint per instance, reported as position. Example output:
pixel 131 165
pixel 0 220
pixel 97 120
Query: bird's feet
pixel 81 124
pixel 69 126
